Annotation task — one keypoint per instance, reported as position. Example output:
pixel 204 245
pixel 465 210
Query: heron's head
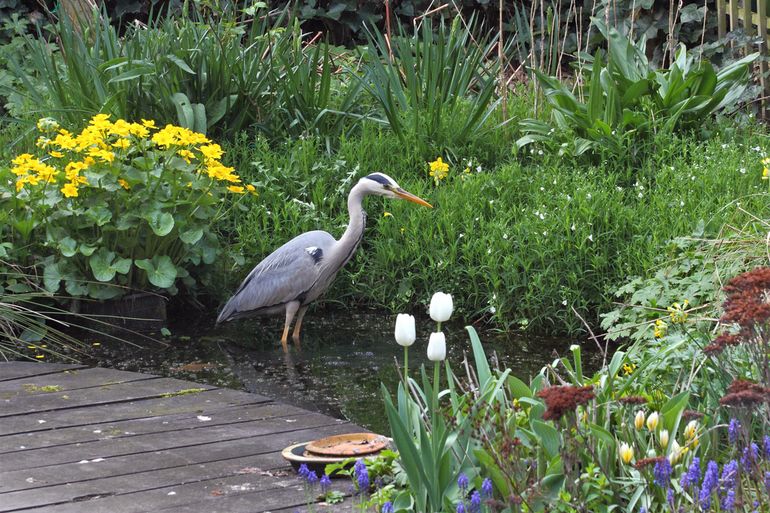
pixel 383 185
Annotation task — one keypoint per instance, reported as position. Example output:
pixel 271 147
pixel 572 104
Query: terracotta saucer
pixel 348 445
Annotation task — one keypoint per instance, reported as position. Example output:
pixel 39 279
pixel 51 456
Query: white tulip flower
pixel 437 347
pixel 663 437
pixel 405 331
pixel 441 307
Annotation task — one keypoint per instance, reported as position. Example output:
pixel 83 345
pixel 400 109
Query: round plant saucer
pixel 299 454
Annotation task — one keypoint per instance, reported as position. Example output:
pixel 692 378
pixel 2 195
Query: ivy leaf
pixel 161 222
pixel 68 246
pixel 161 271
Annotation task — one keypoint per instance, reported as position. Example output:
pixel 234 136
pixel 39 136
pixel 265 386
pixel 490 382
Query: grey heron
pixel 297 273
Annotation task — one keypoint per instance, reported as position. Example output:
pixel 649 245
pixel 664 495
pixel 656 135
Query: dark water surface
pixel 338 370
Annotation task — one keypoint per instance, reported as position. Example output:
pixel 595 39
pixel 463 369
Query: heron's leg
pixel 298 324
pixel 291 309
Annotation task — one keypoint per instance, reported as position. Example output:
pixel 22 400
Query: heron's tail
pixel 227 313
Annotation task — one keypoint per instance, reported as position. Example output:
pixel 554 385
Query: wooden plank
pixel 159 424
pixel 121 392
pixel 748 26
pixel 251 501
pixel 733 4
pixel 68 380
pixel 15 370
pixel 140 472
pixel 112 447
pixel 131 410
pixel 721 18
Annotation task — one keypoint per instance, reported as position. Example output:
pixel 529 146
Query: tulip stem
pixel 408 396
pixel 436 377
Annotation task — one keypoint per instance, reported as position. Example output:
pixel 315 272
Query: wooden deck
pixel 75 439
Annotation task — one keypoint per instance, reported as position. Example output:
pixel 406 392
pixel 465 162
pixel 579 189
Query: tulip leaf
pixel 548 435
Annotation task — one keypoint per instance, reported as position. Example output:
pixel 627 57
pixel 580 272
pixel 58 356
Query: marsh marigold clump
pixel 564 399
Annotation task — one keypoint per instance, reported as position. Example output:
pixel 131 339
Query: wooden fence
pixel 751 16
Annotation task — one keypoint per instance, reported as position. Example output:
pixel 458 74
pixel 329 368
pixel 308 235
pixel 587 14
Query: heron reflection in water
pixel 300 271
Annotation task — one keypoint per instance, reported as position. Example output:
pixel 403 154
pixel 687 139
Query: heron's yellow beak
pixel 401 193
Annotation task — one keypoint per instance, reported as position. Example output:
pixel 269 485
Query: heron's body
pixel 300 271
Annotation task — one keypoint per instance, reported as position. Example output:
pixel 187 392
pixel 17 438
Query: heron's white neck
pixel 348 243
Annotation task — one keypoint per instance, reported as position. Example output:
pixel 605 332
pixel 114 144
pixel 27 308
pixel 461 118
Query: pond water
pixel 338 370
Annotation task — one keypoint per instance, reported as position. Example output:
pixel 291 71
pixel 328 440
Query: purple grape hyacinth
pixel 733 431
pixel 475 502
pixel 486 487
pixel 361 474
pixel 662 473
pixel 312 478
pixel 728 501
pixel 460 507
pixel 387 507
pixel 692 476
pixel 710 482
pixel 766 443
pixel 463 482
pixel 750 456
pixel 729 475
pixel 326 483
pixel 303 471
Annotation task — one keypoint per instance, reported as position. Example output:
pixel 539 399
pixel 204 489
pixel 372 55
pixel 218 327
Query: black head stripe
pixel 377 177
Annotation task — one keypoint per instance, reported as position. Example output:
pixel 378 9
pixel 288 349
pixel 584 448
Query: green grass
pixel 518 243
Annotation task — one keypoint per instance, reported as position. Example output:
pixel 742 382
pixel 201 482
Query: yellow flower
pixel 626 453
pixel 69 190
pixel 663 436
pixel 72 169
pixel 691 430
pixel 138 130
pixel 765 173
pixel 251 189
pixel 628 369
pixel 121 128
pixel 123 184
pixel 186 155
pixel 387 214
pixel 57 154
pixel 47 124
pixel 122 143
pixel 47 173
pixel 217 171
pixel 64 140
pixel 39 356
pixel 235 188
pixel 678 312
pixel 148 123
pixel 438 169
pixel 652 421
pixel 211 151
pixel 660 328
pixel 639 420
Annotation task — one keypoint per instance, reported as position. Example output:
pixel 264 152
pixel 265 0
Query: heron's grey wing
pixel 287 274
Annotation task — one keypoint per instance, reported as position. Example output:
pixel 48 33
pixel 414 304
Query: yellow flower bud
pixel 639 420
pixel 664 438
pixel 652 421
pixel 626 453
pixel 691 429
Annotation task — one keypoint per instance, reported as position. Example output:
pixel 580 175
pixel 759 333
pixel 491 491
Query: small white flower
pixel 505 236
pixel 742 170
pixel 564 302
pixel 405 331
pixel 441 307
pixel 591 237
pixel 588 195
pixel 572 227
pixel 492 309
pixel 539 152
pixel 681 203
pixel 437 347
pixel 545 234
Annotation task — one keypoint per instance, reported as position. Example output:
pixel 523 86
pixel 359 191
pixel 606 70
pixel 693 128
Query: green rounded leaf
pixel 68 246
pixel 101 265
pixel 191 236
pixel 161 271
pixel 161 222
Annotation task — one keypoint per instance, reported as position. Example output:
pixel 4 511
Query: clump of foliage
pixel 626 101
pixel 119 203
